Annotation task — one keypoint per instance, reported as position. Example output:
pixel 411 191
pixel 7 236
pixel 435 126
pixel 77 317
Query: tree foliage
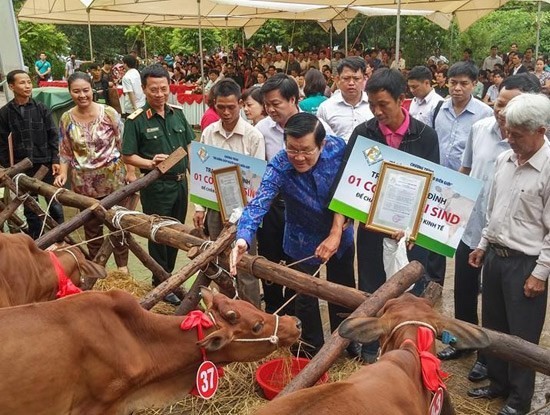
pixel 37 38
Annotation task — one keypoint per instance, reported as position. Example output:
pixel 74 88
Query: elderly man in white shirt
pixel 515 248
pixel 485 143
pixel 425 98
pixel 349 106
pixel 231 132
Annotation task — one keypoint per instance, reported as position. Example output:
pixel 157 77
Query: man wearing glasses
pixel 303 174
pixel 349 106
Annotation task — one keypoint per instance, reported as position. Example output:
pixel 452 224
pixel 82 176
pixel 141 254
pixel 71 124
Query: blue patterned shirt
pixel 307 195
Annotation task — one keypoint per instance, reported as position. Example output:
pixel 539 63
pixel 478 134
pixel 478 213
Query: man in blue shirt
pixel 303 175
pixel 453 122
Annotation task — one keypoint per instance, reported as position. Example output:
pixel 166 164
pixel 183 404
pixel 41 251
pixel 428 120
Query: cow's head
pixel 409 308
pixel 243 332
pixel 82 272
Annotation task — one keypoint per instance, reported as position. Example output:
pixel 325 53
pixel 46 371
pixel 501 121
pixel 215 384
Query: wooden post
pixel 17 168
pixel 507 347
pixel 14 220
pixel 111 200
pixel 209 254
pixel 215 273
pixel 332 349
pixel 191 300
pixel 522 352
pixel 32 204
pixel 15 203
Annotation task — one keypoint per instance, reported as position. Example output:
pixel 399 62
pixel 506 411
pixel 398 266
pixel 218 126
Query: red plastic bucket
pixel 274 375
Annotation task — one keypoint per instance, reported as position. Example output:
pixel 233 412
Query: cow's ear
pixel 208 297
pixel 92 270
pixel 463 335
pixel 361 329
pixel 217 340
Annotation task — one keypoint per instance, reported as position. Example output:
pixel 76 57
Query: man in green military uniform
pixel 151 133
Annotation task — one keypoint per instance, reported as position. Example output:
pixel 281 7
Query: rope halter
pixel 273 339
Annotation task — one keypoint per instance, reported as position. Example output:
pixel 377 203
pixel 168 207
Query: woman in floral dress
pixel 90 145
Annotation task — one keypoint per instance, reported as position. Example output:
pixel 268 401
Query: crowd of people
pixel 305 111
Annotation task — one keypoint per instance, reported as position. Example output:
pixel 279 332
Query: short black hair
pixel 225 88
pixel 525 82
pixel 130 61
pixel 315 83
pixel 463 69
pixel 498 72
pixel 287 87
pixel 108 61
pixel 355 63
pixel 78 76
pixel 420 73
pixel 494 47
pixel 305 123
pixel 214 70
pixel 468 51
pixel 154 71
pixel 386 79
pixel 10 77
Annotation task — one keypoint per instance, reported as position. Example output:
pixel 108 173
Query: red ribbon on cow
pixel 198 319
pixel 432 375
pixel 66 286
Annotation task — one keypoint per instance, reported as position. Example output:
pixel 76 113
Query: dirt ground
pixel 458 369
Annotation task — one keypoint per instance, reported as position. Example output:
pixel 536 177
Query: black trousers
pixel 56 209
pixel 436 268
pixel 505 308
pixel 340 271
pixel 270 245
pixel 466 286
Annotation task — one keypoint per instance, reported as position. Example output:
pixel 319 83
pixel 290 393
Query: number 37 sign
pixel 207 379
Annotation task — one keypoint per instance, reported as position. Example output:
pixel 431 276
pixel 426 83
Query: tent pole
pixel 539 17
pixel 346 32
pixel 200 53
pixel 90 35
pixel 330 32
pixel 145 43
pixel 226 34
pixel 398 33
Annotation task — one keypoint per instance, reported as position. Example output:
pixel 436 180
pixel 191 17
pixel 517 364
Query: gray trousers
pixel 505 308
pixel 248 286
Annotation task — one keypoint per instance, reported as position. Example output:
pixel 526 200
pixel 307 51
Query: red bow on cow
pixel 432 375
pixel 198 319
pixel 66 286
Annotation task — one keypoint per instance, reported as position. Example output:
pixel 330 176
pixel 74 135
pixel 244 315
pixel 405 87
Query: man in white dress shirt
pixel 349 106
pixel 231 132
pixel 515 247
pixel 425 98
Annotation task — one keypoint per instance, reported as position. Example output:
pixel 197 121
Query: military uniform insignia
pixel 149 113
pixel 177 107
pixel 135 113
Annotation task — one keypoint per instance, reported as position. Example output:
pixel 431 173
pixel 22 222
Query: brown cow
pixel 27 274
pixel 393 385
pixel 100 353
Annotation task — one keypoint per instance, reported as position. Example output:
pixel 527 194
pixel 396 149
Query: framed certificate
pixel 399 199
pixel 228 184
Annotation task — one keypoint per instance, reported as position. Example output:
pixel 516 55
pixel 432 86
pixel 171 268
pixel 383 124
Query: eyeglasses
pixel 305 153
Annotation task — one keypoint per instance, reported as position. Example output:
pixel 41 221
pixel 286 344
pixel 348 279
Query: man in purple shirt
pixel 303 175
